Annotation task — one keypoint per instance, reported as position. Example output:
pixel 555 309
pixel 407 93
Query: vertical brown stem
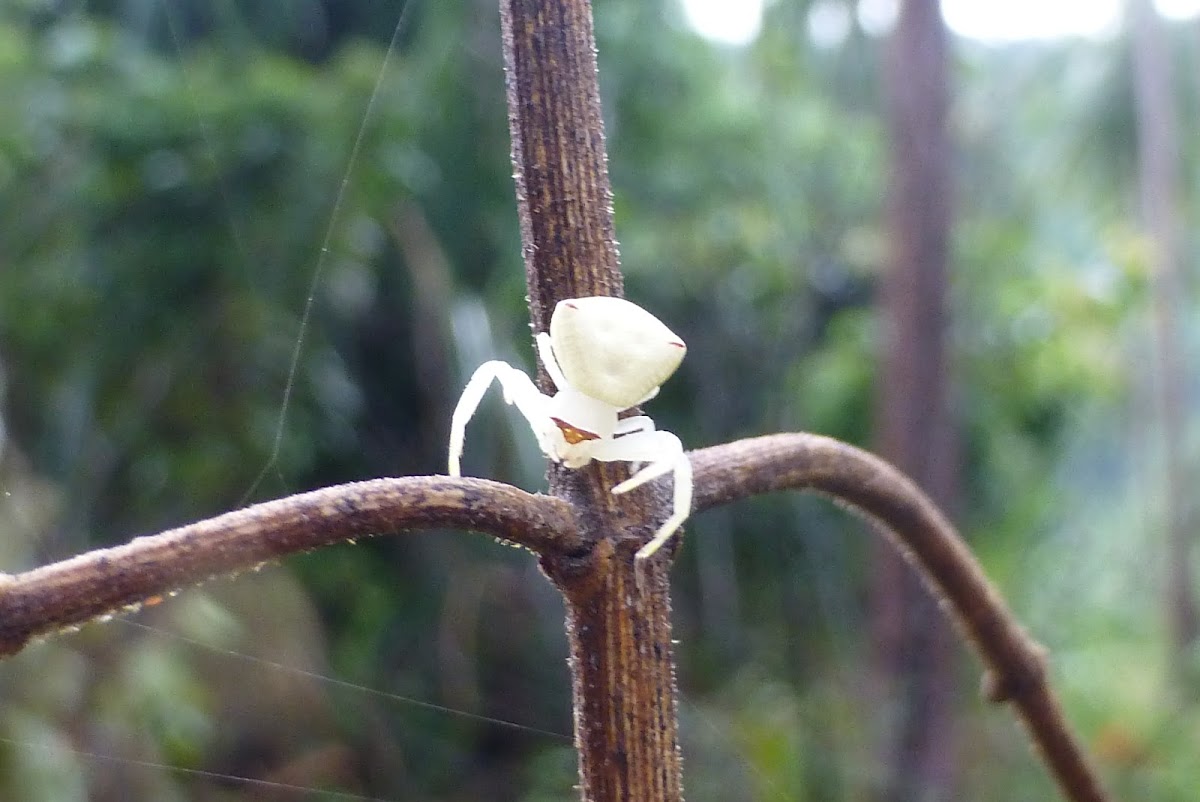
pixel 559 161
pixel 916 429
pixel 620 640
pixel 1159 164
pixel 623 671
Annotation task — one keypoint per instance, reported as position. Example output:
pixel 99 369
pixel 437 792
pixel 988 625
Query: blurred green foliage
pixel 190 191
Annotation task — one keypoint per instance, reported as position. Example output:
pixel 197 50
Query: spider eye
pixel 613 350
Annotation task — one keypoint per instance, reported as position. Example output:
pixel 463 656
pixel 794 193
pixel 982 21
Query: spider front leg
pixel 519 390
pixel 681 508
pixel 664 453
pixel 545 349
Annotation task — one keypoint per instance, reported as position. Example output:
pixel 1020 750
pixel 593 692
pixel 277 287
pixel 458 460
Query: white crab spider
pixel 605 355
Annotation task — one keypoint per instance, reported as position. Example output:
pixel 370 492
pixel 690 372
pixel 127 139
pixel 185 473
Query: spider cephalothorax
pixel 604 355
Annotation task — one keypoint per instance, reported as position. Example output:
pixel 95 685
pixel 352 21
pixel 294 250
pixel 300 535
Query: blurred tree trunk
pixel 1159 166
pixel 913 645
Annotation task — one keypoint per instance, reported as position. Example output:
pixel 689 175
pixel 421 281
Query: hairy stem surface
pixel 68 593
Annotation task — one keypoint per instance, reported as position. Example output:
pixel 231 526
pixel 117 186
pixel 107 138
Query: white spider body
pixel 604 355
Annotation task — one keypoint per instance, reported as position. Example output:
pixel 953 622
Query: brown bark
pixel 68 593
pixel 564 198
pixel 915 428
pixel 622 661
pixel 1159 165
pixel 623 674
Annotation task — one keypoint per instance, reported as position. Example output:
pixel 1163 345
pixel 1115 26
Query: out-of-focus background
pixel 190 190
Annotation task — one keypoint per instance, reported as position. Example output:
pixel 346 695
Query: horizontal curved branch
pixel 872 487
pixel 64 594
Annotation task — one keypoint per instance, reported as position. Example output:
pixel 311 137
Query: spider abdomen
pixel 613 350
